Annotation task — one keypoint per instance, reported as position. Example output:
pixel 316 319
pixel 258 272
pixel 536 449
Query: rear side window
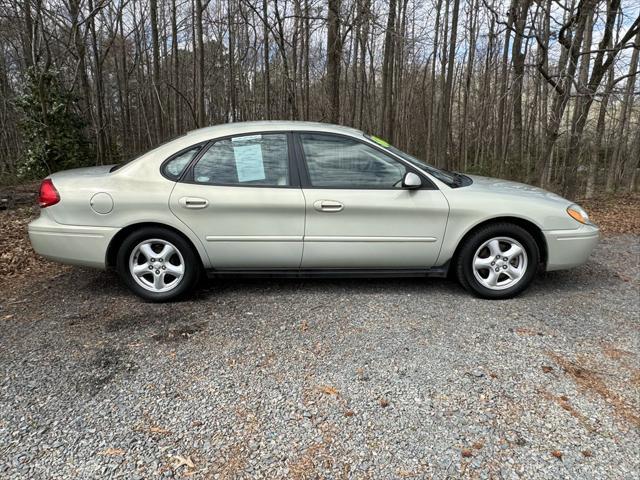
pixel 174 167
pixel 260 160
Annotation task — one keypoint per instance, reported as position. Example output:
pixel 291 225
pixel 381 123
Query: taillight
pixel 48 194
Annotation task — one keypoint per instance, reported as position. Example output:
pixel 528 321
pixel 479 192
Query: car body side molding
pixel 440 272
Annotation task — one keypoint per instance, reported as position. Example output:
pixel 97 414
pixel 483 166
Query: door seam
pixel 304 227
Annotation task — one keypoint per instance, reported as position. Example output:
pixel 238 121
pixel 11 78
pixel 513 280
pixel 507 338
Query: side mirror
pixel 411 181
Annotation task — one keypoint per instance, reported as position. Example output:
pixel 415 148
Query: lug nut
pixel 504 266
pixel 157 272
pixel 164 267
pixel 497 269
pixel 152 260
pixel 159 259
pixel 150 267
pixel 493 263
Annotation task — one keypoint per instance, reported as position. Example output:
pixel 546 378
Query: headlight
pixel 578 213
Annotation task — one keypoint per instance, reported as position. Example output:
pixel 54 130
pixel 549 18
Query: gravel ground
pixel 324 378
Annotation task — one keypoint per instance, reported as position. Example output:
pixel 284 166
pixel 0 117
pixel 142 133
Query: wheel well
pixel 530 227
pixel 116 241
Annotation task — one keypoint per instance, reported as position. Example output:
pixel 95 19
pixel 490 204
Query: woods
pixel 543 91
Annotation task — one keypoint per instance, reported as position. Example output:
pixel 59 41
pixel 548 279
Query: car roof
pixel 267 125
pixel 206 134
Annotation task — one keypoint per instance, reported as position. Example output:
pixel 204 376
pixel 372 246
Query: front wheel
pixel 498 261
pixel 157 264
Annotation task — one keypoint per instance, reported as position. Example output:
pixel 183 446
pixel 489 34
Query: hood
pixel 509 188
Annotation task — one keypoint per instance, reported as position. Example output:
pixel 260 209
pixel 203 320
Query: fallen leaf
pixel 527 332
pixel 349 413
pixel 547 369
pixel 180 461
pixel 606 212
pixel 160 430
pixel 466 453
pixel 615 353
pixel 328 390
pixel 557 454
pixel 407 473
pixel 587 453
pixel 478 445
pixel 112 452
pixel 384 403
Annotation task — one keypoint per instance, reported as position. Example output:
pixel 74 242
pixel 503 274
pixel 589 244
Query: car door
pixel 242 198
pixel 358 214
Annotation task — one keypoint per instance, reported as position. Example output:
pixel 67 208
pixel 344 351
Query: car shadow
pixel 107 287
pixel 355 286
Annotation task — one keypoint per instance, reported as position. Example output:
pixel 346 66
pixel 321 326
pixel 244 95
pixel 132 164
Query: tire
pixel 164 279
pixel 498 270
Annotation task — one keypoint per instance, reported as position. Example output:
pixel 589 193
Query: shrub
pixel 53 131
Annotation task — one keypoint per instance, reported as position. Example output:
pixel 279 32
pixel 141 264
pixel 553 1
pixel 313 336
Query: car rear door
pixel 358 214
pixel 242 198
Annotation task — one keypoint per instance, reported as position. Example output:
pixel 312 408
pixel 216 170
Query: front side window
pixel 452 179
pixel 340 162
pixel 246 160
pixel 175 166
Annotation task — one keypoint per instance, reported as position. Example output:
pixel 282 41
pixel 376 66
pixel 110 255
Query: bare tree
pixel 497 87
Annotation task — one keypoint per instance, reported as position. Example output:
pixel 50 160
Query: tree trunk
pixel 177 117
pixel 600 67
pixel 157 103
pixel 198 9
pixel 446 96
pixel 521 10
pixel 619 160
pixel 386 118
pixel 334 59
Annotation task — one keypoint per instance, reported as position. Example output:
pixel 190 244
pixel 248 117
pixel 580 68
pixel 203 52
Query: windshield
pixel 450 179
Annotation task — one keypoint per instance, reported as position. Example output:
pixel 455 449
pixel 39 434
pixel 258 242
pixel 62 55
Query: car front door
pixel 358 214
pixel 242 198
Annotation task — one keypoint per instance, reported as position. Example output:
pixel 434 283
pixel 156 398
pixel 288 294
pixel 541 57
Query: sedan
pixel 302 199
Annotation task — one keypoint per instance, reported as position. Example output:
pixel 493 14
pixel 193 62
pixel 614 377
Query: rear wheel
pixel 498 261
pixel 158 264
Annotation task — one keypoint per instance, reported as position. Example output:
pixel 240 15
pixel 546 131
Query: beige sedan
pixel 302 199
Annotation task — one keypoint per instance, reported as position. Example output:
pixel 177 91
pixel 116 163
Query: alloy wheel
pixel 156 265
pixel 500 263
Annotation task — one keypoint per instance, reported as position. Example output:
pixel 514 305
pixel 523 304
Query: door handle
pixel 328 206
pixel 193 202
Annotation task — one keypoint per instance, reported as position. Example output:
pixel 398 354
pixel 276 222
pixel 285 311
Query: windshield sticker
pixel 380 141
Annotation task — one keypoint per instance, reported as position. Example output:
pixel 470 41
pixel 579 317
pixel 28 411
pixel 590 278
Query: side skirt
pixel 439 272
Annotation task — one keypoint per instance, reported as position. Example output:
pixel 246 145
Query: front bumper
pixel 570 248
pixel 71 244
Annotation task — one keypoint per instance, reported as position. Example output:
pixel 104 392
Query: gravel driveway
pixel 324 378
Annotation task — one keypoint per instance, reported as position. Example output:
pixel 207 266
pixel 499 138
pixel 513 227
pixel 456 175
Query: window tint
pixel 339 162
pixel 245 160
pixel 174 167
